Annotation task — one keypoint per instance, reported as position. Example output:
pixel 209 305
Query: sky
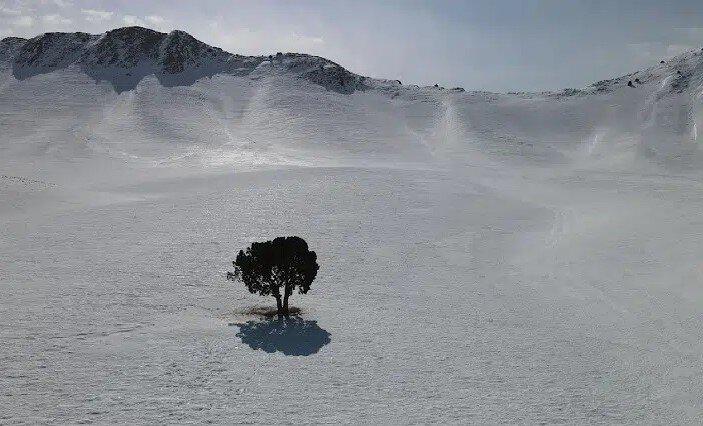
pixel 497 45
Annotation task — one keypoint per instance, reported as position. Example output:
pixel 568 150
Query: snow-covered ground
pixel 484 257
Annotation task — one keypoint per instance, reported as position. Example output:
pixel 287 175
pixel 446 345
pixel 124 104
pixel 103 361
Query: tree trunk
pixel 279 306
pixel 285 303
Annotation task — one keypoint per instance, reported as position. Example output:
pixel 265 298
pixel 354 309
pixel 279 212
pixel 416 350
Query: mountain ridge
pixel 126 55
pixel 177 58
pixel 171 97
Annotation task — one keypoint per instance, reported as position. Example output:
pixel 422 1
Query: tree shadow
pixel 291 336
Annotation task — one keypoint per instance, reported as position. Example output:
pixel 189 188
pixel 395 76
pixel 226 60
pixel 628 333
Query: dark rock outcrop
pixel 125 56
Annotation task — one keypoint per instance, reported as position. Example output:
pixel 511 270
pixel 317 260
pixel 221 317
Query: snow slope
pixel 171 97
pixel 524 257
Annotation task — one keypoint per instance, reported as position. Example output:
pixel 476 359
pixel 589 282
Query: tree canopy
pixel 276 268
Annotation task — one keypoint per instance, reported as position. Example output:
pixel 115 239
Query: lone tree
pixel 276 268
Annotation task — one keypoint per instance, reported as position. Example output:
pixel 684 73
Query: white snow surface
pixel 485 258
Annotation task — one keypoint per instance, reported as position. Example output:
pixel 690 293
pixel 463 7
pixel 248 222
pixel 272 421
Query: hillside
pixel 140 94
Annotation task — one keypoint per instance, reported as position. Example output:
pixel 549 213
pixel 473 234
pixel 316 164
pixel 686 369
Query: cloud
pixel 301 40
pixel 133 20
pixel 63 3
pixel 155 19
pixel 93 15
pixel 56 19
pixel 23 21
pixel 7 11
pixel 258 41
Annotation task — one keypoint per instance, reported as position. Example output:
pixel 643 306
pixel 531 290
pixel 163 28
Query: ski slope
pixel 485 258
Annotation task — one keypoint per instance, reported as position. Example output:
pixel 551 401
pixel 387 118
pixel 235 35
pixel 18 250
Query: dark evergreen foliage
pixel 276 268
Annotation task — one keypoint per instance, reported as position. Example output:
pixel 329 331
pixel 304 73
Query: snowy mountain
pixel 124 56
pixel 485 258
pixel 152 88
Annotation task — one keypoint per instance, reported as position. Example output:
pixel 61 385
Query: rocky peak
pixel 124 56
pixel 9 45
pixel 180 51
pixel 50 49
pixel 123 48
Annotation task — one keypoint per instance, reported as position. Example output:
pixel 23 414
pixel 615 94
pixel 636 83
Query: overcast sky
pixel 498 45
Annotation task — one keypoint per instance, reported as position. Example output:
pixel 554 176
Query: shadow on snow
pixel 291 336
